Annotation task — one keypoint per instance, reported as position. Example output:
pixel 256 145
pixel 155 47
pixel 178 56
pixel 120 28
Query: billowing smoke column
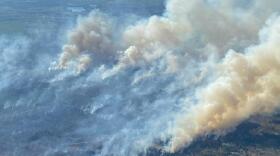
pixel 217 88
pixel 247 84
pixel 92 34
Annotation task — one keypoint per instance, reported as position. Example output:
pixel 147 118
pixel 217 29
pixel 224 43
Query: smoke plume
pixel 246 85
pixel 92 34
pixel 209 87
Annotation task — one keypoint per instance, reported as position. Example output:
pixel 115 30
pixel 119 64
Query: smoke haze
pixel 124 85
pixel 242 84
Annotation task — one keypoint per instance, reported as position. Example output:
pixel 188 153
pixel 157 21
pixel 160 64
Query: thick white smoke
pixel 177 44
pixel 221 24
pixel 246 85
